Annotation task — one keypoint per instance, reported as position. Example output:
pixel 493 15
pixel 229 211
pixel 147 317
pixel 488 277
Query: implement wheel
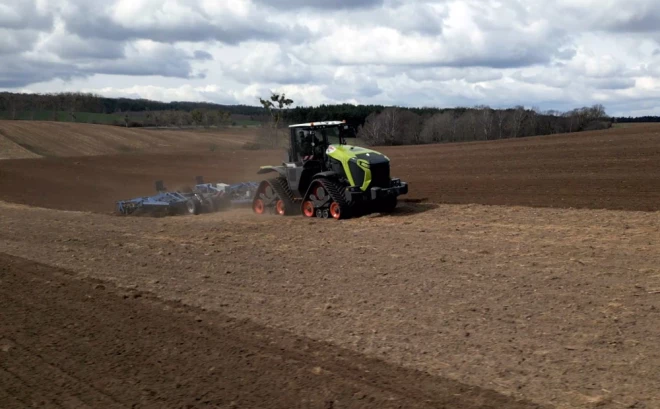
pixel 193 207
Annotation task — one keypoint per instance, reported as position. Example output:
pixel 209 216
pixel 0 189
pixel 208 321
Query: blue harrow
pixel 203 197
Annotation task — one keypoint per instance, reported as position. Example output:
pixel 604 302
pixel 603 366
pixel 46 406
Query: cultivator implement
pixel 201 198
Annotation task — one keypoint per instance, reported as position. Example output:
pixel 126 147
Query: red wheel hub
pixel 258 206
pixel 280 208
pixel 335 210
pixel 308 209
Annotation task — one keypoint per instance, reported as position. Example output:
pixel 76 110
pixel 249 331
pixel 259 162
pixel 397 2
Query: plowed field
pixel 615 169
pixel 87 344
pixel 29 139
pixel 557 307
pixel 445 303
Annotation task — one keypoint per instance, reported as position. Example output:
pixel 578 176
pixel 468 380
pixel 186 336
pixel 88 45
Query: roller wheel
pixel 320 192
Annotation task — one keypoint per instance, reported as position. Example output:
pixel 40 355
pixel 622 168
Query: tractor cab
pixel 309 142
pixel 308 150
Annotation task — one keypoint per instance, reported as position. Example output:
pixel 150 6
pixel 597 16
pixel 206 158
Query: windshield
pixel 332 134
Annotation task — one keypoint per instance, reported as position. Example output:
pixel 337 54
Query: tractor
pixel 324 177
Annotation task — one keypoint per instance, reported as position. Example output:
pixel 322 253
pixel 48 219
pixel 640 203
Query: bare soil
pixel 486 305
pixel 613 169
pixel 557 307
pixel 29 139
pixel 87 344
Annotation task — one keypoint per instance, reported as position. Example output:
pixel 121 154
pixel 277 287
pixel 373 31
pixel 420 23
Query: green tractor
pixel 324 177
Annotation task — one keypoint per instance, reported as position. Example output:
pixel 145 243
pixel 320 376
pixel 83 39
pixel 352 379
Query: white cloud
pixel 555 55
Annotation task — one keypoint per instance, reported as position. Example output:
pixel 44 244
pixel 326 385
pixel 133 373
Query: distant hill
pixel 30 139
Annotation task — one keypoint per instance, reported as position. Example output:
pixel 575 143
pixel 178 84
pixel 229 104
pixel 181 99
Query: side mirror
pixel 346 132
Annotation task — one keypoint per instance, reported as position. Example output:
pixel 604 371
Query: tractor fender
pixel 268 169
pixel 321 175
pixel 329 175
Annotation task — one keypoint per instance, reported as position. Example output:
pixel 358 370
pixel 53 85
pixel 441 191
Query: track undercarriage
pixel 325 199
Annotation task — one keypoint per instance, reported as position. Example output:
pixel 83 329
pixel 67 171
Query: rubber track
pixel 335 192
pixel 281 188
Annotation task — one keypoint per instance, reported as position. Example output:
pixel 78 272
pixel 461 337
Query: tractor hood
pixel 364 168
pixel 347 152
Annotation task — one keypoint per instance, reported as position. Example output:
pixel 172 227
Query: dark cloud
pixel 20 72
pixel 640 21
pixel 72 47
pixel 152 60
pixel 24 14
pixel 611 83
pixel 286 5
pixel 565 54
pixel 16 41
pixel 87 21
pixel 202 55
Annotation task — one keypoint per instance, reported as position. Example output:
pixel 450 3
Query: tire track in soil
pixel 83 343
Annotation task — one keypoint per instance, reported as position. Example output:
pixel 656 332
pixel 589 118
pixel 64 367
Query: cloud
pixel 202 55
pixel 147 58
pixel 470 75
pixel 349 84
pixel 176 20
pixel 267 64
pixel 320 4
pixel 24 14
pixel 16 73
pixel 181 93
pixel 468 35
pixel 14 41
pixel 72 47
pixel 555 55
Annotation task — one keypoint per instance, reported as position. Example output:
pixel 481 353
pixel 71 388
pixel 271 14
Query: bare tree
pixel 371 132
pixel 432 129
pixel 209 118
pixel 500 118
pixel 410 128
pixel 391 119
pixel 12 105
pixel 485 118
pixel 197 117
pixel 275 107
pixel 519 115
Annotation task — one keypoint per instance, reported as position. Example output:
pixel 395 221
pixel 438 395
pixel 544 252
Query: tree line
pixel 376 124
pixel 19 104
pixel 400 126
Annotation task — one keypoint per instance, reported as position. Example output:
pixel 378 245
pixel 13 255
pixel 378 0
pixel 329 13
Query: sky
pixel 557 55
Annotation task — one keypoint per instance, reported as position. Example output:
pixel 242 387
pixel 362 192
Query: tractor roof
pixel 315 124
